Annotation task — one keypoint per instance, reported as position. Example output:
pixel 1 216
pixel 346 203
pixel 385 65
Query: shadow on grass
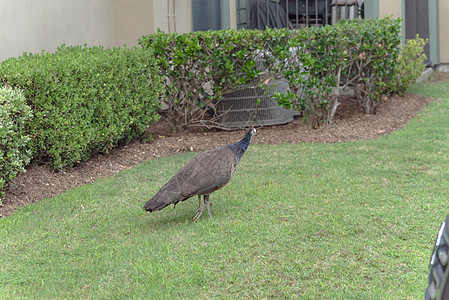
pixel 170 216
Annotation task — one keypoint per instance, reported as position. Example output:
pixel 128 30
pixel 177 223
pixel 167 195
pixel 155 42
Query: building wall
pixel 444 28
pixel 131 20
pixel 233 14
pixel 31 26
pixel 390 7
pixel 439 54
pixel 172 15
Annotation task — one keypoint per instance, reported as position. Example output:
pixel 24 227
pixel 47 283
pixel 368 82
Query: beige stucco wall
pixel 233 14
pixel 390 7
pixel 172 15
pixel 131 20
pixel 30 25
pixel 444 29
pixel 36 25
pixel 394 7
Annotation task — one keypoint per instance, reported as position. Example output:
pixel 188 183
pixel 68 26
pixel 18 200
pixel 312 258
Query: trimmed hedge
pixel 14 141
pixel 217 61
pixel 318 63
pixel 360 55
pixel 85 100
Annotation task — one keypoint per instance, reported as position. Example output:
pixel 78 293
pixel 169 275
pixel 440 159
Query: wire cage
pixel 254 107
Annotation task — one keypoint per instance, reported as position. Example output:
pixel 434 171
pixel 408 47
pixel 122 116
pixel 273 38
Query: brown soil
pixel 351 124
pixel 438 77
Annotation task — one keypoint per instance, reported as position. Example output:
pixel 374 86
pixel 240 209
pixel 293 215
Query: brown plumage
pixel 204 174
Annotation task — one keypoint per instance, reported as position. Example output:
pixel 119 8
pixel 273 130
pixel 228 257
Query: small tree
pixel 410 67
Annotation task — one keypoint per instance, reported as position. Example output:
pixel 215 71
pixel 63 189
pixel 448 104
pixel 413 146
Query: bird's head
pixel 250 133
pixel 253 132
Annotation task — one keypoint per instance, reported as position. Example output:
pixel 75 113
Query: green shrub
pixel 317 62
pixel 218 61
pixel 355 54
pixel 377 61
pixel 14 142
pixel 190 62
pixel 410 67
pixel 85 100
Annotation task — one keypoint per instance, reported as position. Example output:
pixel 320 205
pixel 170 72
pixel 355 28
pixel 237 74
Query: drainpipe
pixel 174 15
pixel 168 15
pixel 171 15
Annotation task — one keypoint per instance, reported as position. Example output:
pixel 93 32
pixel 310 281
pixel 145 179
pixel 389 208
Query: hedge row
pixel 361 55
pixel 318 63
pixel 14 140
pixel 84 100
pixel 88 100
pixel 213 61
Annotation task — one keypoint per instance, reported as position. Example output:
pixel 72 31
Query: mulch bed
pixel 40 182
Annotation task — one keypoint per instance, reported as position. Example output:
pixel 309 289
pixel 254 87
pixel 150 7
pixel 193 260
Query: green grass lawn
pixel 348 220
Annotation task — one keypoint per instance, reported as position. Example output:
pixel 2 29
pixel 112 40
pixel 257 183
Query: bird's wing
pixel 208 172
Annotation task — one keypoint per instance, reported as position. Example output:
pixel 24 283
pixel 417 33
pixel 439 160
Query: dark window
pixel 295 13
pixel 210 14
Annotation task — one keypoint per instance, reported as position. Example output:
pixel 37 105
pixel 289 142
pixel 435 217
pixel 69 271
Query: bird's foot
pixel 199 211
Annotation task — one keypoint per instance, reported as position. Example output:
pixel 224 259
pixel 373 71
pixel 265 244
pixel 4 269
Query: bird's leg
pixel 199 211
pixel 206 202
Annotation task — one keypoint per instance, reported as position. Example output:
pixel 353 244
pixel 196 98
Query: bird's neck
pixel 241 146
pixel 243 143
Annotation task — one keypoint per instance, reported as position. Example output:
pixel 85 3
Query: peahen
pixel 204 174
